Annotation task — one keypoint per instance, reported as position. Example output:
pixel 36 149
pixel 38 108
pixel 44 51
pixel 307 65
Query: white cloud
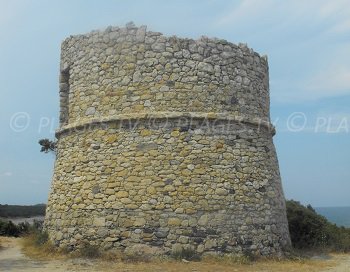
pixel 246 10
pixel 339 12
pixel 9 10
pixel 326 75
pixel 341 27
pixel 338 8
pixel 307 35
pixel 7 174
pixel 335 81
pixel 331 82
pixel 311 10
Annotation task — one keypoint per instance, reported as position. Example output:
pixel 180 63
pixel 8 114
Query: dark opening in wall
pixel 64 97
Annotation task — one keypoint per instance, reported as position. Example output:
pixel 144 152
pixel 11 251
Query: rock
pixel 137 231
pixel 174 222
pixel 147 146
pixel 130 25
pixel 164 89
pixel 145 251
pixel 145 132
pixel 210 244
pixel 111 139
pixel 221 191
pixel 112 239
pixel 158 47
pixel 147 103
pixel 137 76
pixel 169 188
pixel 183 239
pixel 141 34
pixel 203 220
pixel 161 234
pixel 59 236
pixel 190 166
pixel 122 194
pixel 99 222
pixel 175 133
pixel 139 222
pixel 206 67
pixel 90 111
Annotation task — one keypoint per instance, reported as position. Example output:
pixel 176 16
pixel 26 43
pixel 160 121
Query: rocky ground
pixel 12 259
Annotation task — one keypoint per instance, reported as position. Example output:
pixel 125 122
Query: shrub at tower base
pixel 311 231
pixel 165 143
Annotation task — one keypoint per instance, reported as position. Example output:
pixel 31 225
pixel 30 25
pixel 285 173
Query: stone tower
pixel 166 142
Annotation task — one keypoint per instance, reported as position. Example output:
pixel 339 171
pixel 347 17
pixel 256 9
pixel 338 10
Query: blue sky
pixel 307 43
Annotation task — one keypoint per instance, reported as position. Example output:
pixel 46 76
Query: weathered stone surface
pixel 90 111
pixel 174 222
pixel 203 220
pixel 165 143
pixel 99 222
pixel 144 251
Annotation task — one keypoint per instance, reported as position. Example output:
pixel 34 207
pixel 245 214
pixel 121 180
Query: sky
pixel 307 44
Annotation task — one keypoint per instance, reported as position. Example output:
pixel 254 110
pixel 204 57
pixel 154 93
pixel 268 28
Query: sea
pixel 337 215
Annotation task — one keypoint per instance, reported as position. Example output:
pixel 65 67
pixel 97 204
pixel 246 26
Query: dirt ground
pixel 12 259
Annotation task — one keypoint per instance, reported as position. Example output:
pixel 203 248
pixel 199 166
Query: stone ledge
pixel 258 122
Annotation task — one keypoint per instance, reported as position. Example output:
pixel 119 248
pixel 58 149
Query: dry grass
pixel 221 265
pixel 5 241
pixel 45 251
pixel 115 262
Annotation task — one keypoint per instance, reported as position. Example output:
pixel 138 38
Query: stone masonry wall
pixel 166 142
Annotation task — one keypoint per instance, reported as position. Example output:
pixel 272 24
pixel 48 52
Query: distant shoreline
pixel 22 211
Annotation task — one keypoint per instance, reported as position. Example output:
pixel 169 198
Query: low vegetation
pixel 186 254
pixel 22 211
pixel 48 258
pixel 7 228
pixel 311 231
pixel 90 251
pixel 36 244
pixel 47 145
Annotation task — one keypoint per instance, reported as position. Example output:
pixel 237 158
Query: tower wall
pixel 166 142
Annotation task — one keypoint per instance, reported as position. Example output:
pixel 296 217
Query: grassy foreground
pixel 32 247
pixel 220 265
pixel 310 233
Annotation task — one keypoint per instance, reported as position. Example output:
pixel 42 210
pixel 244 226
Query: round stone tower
pixel 165 142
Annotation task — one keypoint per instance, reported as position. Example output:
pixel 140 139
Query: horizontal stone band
pixel 212 116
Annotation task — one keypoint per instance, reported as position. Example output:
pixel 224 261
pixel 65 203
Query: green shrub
pixel 41 238
pixel 89 251
pixel 37 245
pixel 188 254
pixel 309 230
pixel 7 228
